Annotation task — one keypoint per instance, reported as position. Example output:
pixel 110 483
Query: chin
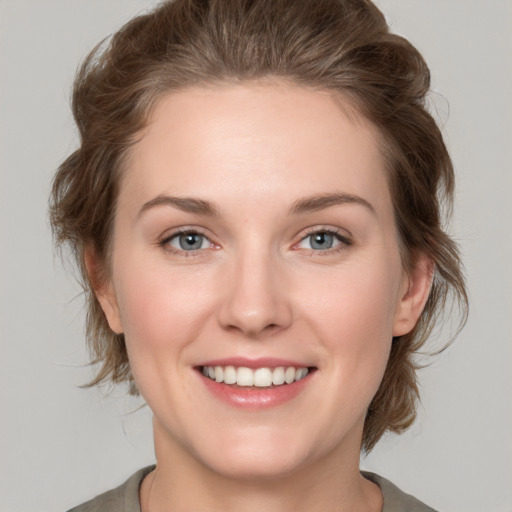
pixel 258 456
pixel 257 466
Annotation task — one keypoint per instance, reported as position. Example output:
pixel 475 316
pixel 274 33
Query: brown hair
pixel 343 46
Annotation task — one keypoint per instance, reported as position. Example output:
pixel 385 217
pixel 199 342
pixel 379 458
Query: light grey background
pixel 60 445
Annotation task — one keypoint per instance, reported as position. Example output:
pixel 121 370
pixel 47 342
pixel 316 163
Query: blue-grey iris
pixel 322 241
pixel 190 241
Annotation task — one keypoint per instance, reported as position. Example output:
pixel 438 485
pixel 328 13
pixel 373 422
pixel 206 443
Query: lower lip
pixel 254 398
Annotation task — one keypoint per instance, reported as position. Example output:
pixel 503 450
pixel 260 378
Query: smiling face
pixel 254 233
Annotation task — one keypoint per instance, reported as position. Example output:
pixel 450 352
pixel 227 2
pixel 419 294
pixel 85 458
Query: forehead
pixel 256 139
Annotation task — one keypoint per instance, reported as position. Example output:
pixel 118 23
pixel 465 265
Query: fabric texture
pixel 125 498
pixel 396 500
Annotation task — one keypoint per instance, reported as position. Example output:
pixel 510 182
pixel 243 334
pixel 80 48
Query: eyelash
pixel 344 241
pixel 165 243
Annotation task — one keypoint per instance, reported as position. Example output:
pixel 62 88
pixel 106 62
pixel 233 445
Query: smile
pixel 264 377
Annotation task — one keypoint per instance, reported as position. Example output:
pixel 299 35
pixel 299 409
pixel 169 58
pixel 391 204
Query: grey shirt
pixel 125 498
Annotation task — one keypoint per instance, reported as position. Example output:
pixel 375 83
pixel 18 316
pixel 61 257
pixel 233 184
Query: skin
pixel 258 288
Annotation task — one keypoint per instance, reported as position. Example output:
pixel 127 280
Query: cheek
pixel 161 310
pixel 353 318
pixel 162 314
pixel 357 300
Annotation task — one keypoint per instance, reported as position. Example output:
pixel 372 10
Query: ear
pixel 414 294
pixel 103 289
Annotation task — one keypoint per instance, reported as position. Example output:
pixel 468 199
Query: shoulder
pixel 396 500
pixel 124 498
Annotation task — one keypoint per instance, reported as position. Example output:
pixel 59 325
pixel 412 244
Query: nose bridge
pixel 255 300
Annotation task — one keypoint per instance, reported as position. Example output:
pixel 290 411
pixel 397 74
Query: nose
pixel 255 300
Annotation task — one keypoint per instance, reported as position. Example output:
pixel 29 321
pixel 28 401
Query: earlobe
pixel 414 295
pixel 103 289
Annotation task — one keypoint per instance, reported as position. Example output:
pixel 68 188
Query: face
pixel 257 277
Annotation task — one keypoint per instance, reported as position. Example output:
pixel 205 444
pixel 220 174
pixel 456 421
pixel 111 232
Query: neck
pixel 181 483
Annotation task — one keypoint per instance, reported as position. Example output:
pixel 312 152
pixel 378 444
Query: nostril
pixel 254 331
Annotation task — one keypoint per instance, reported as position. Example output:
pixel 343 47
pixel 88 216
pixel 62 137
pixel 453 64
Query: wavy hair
pixel 341 46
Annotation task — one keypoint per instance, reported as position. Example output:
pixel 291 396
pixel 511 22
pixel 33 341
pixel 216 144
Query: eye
pixel 322 241
pixel 187 241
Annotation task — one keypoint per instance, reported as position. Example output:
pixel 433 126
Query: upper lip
pixel 260 362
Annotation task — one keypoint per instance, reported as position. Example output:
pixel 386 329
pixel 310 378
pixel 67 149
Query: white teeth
pixel 244 377
pixel 230 375
pixel 278 376
pixel 301 373
pixel 289 375
pixel 263 377
pixel 260 377
pixel 219 374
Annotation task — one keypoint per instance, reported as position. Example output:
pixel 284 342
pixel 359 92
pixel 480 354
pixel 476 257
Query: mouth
pixel 263 377
pixel 256 384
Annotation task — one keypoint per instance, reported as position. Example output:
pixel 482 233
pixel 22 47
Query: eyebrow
pixel 186 204
pixel 305 205
pixel 322 201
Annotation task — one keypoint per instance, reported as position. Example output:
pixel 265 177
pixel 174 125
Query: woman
pixel 256 210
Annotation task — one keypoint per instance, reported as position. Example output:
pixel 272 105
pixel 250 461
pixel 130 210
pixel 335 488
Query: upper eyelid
pixel 345 241
pixel 338 232
pixel 172 233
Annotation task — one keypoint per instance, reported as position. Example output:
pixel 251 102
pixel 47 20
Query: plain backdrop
pixel 60 444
